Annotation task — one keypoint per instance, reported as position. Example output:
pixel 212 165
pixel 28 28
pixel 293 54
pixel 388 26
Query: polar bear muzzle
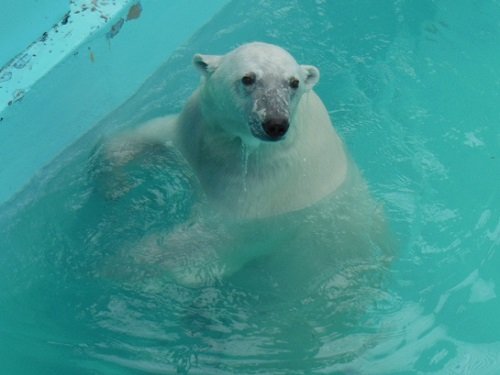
pixel 275 128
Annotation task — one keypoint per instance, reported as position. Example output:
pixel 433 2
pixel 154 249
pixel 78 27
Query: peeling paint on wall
pixel 84 18
pixel 115 29
pixel 134 12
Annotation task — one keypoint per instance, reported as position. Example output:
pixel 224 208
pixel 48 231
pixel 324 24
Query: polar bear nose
pixel 276 128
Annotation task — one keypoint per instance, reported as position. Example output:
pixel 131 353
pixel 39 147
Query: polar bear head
pixel 253 91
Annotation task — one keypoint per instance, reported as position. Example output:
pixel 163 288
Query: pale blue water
pixel 413 87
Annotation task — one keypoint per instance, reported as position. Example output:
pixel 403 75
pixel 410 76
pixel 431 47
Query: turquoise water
pixel 413 88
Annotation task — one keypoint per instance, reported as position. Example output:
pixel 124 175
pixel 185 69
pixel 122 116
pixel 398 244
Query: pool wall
pixel 86 58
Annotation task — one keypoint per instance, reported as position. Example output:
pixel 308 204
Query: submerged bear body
pixel 261 145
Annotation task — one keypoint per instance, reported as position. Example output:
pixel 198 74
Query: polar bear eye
pixel 294 83
pixel 248 79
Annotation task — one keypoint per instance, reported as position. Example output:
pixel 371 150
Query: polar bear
pixel 257 136
pixel 262 146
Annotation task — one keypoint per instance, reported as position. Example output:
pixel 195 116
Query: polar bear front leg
pixel 114 159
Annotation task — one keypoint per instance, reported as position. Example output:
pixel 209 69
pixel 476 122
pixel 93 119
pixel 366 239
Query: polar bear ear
pixel 206 63
pixel 311 75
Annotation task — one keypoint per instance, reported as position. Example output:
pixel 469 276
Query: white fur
pixel 240 173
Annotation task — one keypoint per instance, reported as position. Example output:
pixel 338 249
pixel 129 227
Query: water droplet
pixel 244 161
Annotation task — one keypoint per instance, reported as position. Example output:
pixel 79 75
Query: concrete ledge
pixel 83 19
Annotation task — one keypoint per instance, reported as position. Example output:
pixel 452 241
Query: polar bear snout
pixel 275 128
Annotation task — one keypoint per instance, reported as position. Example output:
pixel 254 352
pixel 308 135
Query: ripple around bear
pixel 262 146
